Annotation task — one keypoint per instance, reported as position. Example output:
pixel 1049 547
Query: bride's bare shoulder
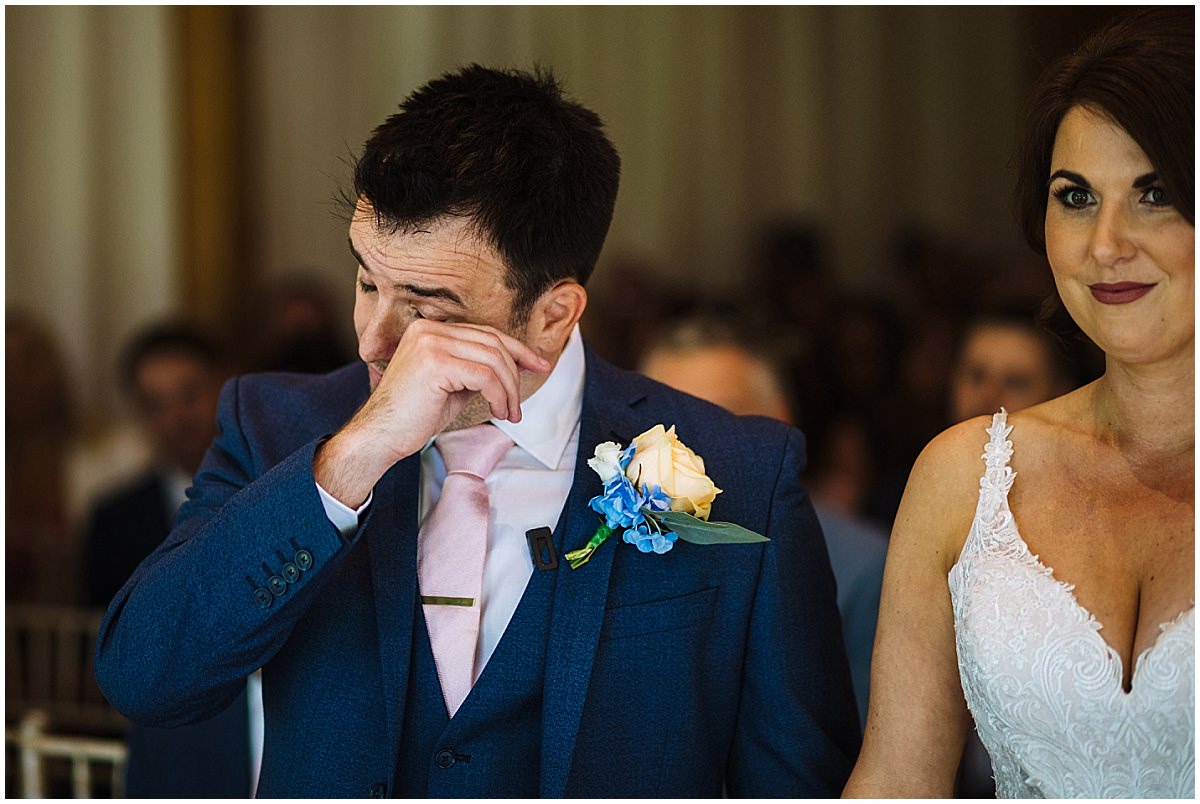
pixel 942 493
pixel 955 457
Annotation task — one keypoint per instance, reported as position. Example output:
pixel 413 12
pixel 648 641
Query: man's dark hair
pixel 533 172
pixel 1138 72
pixel 169 338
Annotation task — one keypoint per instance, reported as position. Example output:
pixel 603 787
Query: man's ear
pixel 553 317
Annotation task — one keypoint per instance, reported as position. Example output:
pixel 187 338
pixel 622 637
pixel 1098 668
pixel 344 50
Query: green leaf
pixel 697 531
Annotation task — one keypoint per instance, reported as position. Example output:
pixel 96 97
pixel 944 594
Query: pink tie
pixel 450 552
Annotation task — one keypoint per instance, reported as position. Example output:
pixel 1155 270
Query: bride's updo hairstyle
pixel 1139 72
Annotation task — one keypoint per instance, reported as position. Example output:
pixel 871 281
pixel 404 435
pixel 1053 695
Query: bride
pixel 1048 589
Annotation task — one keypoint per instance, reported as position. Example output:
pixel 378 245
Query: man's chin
pixel 476 411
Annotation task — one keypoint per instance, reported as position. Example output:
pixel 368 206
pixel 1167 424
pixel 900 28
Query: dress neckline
pixel 996 457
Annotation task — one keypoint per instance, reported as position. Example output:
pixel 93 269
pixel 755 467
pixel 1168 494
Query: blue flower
pixel 627 456
pixel 620 504
pixel 650 541
pixel 655 498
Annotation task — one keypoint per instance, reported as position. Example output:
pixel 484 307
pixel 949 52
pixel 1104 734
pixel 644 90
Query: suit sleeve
pixel 218 598
pixel 797 732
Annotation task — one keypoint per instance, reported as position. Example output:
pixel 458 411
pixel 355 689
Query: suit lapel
pixel 391 535
pixel 580 595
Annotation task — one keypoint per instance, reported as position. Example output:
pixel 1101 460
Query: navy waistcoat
pixel 492 747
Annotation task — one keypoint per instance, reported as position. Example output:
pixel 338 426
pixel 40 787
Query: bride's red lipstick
pixel 1119 292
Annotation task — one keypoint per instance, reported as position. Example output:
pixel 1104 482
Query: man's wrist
pixel 347 468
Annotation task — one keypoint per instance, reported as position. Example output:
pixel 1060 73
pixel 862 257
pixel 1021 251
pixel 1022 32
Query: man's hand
pixel 436 370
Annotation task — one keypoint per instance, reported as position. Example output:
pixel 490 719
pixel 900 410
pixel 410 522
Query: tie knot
pixel 474 450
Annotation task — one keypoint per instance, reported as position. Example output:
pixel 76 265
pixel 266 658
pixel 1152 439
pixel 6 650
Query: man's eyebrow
pixel 1070 175
pixel 416 290
pixel 432 293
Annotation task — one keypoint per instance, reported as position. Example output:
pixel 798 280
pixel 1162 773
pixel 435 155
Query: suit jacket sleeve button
pixel 263 598
pixel 444 759
pixel 277 585
pixel 291 573
pixel 304 560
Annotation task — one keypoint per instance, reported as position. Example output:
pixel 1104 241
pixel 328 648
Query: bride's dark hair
pixel 1139 72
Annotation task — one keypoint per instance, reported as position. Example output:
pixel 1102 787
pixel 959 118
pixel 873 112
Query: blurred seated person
pixel 1006 359
pixel 57 458
pixel 708 359
pixel 174 373
pixel 39 424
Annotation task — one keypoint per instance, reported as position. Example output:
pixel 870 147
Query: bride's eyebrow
pixel 1070 175
pixel 1142 182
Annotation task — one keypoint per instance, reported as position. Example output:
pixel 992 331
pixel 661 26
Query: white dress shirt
pixel 527 489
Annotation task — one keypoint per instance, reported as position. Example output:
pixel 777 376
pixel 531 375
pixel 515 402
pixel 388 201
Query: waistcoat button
pixel 444 759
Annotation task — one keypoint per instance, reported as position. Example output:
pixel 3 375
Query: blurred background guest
pixel 706 358
pixel 173 372
pixel 56 457
pixel 1007 359
pixel 39 425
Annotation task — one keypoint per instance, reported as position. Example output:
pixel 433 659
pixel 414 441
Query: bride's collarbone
pixel 1073 453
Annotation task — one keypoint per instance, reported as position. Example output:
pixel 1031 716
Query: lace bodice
pixel 1045 688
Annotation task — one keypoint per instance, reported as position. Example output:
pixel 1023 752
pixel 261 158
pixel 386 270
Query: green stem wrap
pixel 577 558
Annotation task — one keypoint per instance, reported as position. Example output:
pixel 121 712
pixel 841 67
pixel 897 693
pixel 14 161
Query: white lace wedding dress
pixel 1042 684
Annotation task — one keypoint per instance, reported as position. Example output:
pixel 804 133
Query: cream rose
pixel 661 459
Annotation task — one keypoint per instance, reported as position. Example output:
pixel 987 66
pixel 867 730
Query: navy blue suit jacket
pixel 210 759
pixel 709 669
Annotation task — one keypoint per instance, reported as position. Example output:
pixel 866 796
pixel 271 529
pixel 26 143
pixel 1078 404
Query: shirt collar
pixel 550 415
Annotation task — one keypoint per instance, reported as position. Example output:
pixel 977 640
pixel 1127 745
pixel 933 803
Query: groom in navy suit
pixel 480 210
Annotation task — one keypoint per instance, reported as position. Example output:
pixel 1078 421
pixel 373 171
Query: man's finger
pixel 524 356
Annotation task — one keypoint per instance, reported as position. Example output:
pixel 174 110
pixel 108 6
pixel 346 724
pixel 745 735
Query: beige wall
pixel 858 118
pixel 89 182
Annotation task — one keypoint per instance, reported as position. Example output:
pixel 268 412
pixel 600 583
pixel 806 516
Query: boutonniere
pixel 656 491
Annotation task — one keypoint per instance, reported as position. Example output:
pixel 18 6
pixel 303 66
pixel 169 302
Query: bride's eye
pixel 1156 197
pixel 1074 197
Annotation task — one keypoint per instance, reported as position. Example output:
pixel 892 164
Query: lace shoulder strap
pixel 993 531
pixel 997 476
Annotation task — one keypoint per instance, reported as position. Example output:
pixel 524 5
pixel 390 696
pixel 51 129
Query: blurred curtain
pixel 162 158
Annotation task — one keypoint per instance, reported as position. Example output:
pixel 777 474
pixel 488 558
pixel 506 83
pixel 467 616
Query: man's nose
pixel 381 335
pixel 1111 240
